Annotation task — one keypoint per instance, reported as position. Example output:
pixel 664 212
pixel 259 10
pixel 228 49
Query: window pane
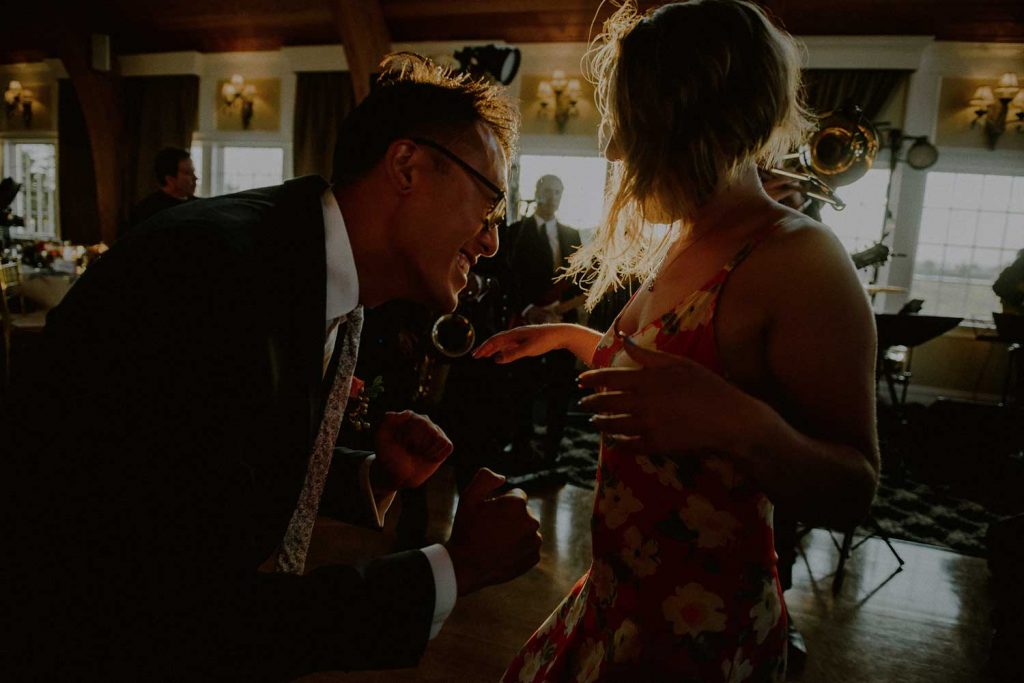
pixel 991 227
pixel 967 191
pixel 246 168
pixel 1017 195
pixel 961 226
pixel 929 260
pixel 1014 231
pixel 34 165
pixel 583 177
pixel 996 193
pixel 939 190
pixel 986 264
pixel 934 226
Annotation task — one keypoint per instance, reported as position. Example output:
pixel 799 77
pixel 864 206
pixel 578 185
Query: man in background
pixel 176 179
pixel 536 249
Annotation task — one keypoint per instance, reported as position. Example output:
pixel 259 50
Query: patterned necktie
pixel 292 556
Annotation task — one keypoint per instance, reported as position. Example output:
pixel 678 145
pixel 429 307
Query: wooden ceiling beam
pixel 365 38
pixel 416 9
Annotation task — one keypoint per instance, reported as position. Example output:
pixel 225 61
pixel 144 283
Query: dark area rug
pixel 948 471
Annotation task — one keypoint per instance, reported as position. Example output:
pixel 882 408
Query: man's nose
pixel 488 240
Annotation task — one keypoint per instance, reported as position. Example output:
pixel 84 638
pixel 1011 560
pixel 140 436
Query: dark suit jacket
pixel 160 453
pixel 526 252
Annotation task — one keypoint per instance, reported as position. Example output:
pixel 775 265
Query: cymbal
pixel 878 289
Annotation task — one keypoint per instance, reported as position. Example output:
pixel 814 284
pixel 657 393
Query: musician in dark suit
pixel 536 249
pixel 172 453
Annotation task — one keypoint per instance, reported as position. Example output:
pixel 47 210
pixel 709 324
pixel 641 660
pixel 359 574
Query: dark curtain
pixel 322 100
pixel 827 89
pixel 79 215
pixel 160 111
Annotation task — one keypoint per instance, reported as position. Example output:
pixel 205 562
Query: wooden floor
pixel 928 622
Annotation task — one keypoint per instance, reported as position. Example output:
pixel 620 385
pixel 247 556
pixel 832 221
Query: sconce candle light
pixel 237 91
pixel 558 97
pixel 17 97
pixel 995 107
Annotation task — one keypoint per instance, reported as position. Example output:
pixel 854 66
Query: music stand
pixel 894 329
pixel 910 331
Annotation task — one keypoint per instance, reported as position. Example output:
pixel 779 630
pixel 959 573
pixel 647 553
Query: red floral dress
pixel 683 585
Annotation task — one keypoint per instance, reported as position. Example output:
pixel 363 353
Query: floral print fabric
pixel 683 585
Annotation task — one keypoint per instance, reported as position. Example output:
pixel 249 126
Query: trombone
pixel 840 152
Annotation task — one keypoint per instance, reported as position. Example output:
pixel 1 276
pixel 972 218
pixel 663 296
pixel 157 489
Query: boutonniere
pixel 359 397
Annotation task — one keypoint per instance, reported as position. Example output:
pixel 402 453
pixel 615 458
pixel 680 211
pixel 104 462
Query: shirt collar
pixel 342 278
pixel 553 221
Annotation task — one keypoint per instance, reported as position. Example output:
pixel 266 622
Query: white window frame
pixel 7 151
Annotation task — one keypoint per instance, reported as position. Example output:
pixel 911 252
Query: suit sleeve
pixel 347 496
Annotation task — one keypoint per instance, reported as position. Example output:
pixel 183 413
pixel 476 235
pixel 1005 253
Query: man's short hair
pixel 550 179
pixel 167 161
pixel 416 98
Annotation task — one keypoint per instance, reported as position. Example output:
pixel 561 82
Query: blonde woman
pixel 738 376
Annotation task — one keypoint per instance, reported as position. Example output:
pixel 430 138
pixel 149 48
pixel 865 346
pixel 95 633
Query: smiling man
pixel 172 460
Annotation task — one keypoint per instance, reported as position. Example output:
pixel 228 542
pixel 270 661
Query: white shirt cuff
pixel 378 508
pixel 445 589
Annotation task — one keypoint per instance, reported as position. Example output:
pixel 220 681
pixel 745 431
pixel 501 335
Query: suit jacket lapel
pixel 303 237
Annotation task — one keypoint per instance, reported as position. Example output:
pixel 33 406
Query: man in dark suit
pixel 176 184
pixel 173 452
pixel 536 249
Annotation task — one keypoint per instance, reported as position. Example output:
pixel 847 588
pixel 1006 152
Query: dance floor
pixel 928 622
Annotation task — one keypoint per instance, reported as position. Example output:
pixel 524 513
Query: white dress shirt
pixel 342 298
pixel 550 228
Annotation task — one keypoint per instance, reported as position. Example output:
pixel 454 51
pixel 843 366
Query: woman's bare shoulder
pixel 802 258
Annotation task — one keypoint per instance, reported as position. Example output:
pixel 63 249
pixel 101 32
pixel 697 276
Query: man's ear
pixel 400 163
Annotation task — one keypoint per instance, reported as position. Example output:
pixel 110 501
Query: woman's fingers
pixel 623 379
pixel 610 402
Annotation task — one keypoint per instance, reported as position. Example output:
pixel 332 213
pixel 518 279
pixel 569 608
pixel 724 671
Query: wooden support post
pixel 366 40
pixel 99 94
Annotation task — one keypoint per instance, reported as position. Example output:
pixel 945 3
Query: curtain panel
pixel 322 101
pixel 160 111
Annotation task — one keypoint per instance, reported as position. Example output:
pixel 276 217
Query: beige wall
pixel 953 126
pixel 959 365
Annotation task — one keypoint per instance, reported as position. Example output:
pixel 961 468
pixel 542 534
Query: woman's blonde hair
pixel 689 93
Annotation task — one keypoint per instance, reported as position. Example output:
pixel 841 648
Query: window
pixel 584 179
pixel 33 165
pixel 971 228
pixel 196 152
pixel 226 167
pixel 245 168
pixel 859 225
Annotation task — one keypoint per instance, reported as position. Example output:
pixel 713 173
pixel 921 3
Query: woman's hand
pixel 521 342
pixel 668 405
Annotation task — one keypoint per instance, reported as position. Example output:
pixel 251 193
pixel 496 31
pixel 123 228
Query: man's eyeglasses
pixel 497 211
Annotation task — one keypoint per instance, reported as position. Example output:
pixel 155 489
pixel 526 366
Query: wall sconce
pixel 237 91
pixel 17 97
pixel 558 96
pixel 994 106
